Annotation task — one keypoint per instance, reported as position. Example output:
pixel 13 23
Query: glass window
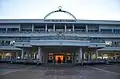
pixel 116 30
pixel 92 30
pixel 13 29
pixel 4 42
pixel 2 29
pixel 26 27
pixel 106 30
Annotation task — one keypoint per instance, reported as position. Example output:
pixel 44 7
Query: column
pixel 102 54
pixel 99 29
pixel 6 29
pixel 46 27
pixel 34 55
pixel 3 55
pixel 32 27
pixel 90 55
pixel 80 55
pixel 86 28
pixel 65 27
pixel 16 54
pixel 65 58
pixel 54 27
pixel 10 55
pixel 85 55
pixel 73 28
pixel 115 55
pixel 74 58
pixel 96 54
pixel 19 27
pixel 39 55
pixel 22 54
pixel 112 31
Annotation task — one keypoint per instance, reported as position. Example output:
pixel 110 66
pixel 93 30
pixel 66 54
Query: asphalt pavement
pixel 13 71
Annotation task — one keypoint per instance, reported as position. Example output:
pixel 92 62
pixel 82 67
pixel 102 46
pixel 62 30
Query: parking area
pixel 17 71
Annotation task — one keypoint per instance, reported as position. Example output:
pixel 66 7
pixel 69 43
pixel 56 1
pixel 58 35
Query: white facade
pixel 31 36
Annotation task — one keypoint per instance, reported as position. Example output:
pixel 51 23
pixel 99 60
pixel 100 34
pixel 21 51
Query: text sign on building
pixel 60 20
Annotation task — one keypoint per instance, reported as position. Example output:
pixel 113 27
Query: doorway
pixel 59 59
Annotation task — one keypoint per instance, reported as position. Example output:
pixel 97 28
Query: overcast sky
pixel 82 9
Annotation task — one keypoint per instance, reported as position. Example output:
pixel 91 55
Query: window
pixel 13 29
pixel 108 43
pixel 69 57
pixel 2 29
pixel 26 27
pixel 4 42
pixel 116 30
pixel 106 30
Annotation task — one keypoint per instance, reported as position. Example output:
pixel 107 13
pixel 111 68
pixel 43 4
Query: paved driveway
pixel 46 72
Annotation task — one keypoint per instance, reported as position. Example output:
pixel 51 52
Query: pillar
pixel 22 54
pixel 10 55
pixel 19 28
pixel 86 28
pixel 32 27
pixel 73 28
pixel 85 55
pixel 54 27
pixel 34 55
pixel 16 54
pixel 3 55
pixel 65 27
pixel 6 29
pixel 99 29
pixel 115 55
pixel 112 31
pixel 90 55
pixel 102 55
pixel 80 54
pixel 96 54
pixel 46 27
pixel 74 58
pixel 39 55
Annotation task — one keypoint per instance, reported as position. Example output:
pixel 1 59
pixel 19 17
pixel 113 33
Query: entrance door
pixel 59 59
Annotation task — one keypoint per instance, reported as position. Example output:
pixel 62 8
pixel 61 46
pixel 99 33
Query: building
pixel 53 41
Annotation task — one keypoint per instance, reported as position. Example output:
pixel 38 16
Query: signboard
pixel 60 20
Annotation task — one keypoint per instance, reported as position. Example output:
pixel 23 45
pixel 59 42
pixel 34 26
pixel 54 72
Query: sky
pixel 81 9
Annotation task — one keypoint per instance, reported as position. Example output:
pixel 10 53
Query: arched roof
pixel 60 10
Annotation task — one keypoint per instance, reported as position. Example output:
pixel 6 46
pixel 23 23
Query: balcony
pixel 54 33
pixel 59 43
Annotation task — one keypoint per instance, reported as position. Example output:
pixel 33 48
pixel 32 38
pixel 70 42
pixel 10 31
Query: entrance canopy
pixel 59 43
pixel 110 49
pixel 9 48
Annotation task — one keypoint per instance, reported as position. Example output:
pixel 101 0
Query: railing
pixel 60 38
pixel 60 32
